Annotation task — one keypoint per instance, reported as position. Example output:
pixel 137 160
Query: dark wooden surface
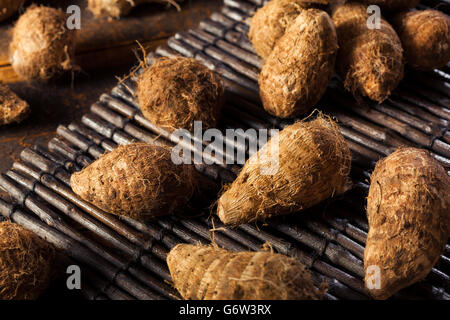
pixel 63 101
pixel 105 49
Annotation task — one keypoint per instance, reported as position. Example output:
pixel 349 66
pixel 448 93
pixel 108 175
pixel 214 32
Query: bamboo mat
pixel 125 259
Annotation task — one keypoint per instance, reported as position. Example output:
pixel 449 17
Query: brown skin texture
pixel 390 6
pixel 26 263
pixel 175 92
pixel 210 273
pixel 12 108
pixel 137 180
pixel 314 163
pixel 41 46
pixel 408 209
pixel 370 62
pixel 297 72
pixel 425 37
pixel 9 7
pixel 119 8
pixel 270 22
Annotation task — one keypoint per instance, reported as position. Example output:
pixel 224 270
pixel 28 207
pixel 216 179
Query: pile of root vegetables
pixel 302 43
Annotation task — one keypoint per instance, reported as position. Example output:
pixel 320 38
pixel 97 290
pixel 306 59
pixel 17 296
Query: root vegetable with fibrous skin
pixel 425 37
pixel 370 61
pixel 119 8
pixel 389 6
pixel 137 180
pixel 313 165
pixel 26 263
pixel 297 72
pixel 408 209
pixel 270 22
pixel 12 108
pixel 175 92
pixel 41 46
pixel 210 273
pixel 9 7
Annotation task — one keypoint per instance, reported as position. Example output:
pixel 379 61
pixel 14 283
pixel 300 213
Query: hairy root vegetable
pixel 425 37
pixel 209 273
pixel 25 263
pixel 389 6
pixel 137 180
pixel 175 92
pixel 41 45
pixel 297 72
pixel 370 61
pixel 12 108
pixel 311 163
pixel 408 208
pixel 9 7
pixel 119 8
pixel 270 22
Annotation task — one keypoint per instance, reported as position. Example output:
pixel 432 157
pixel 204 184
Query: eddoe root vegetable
pixel 297 72
pixel 41 45
pixel 409 220
pixel 137 180
pixel 390 6
pixel 270 22
pixel 313 162
pixel 210 273
pixel 370 61
pixel 175 92
pixel 119 8
pixel 25 263
pixel 9 7
pixel 12 108
pixel 425 37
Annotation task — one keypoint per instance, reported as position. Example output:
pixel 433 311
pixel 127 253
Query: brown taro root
pixel 389 6
pixel 137 180
pixel 270 22
pixel 175 92
pixel 370 61
pixel 42 46
pixel 210 273
pixel 12 108
pixel 25 263
pixel 297 72
pixel 408 209
pixel 425 37
pixel 313 162
pixel 119 8
pixel 9 7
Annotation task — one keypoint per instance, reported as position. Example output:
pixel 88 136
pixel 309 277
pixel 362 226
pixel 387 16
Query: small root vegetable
pixel 425 37
pixel 9 7
pixel 270 22
pixel 175 92
pixel 41 46
pixel 119 8
pixel 389 6
pixel 313 165
pixel 370 61
pixel 137 180
pixel 26 263
pixel 408 209
pixel 297 72
pixel 12 108
pixel 210 273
